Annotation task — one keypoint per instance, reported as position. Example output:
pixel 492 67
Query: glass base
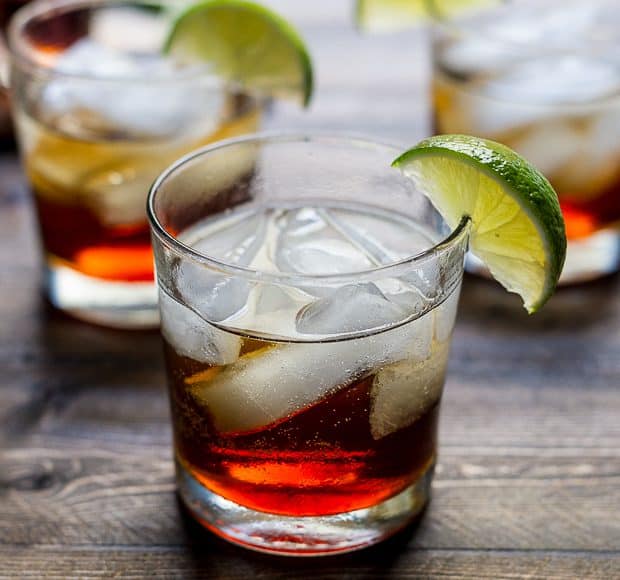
pixel 302 536
pixel 586 259
pixel 128 305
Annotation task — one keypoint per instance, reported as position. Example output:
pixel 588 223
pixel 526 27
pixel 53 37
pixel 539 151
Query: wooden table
pixel 528 482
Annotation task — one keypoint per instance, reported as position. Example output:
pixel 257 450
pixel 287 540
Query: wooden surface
pixel 528 482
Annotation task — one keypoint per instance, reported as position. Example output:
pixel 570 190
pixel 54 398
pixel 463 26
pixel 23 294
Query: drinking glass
pixel 308 293
pixel 544 78
pixel 99 113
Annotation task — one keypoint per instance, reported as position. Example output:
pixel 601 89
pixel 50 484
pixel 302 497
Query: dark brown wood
pixel 528 481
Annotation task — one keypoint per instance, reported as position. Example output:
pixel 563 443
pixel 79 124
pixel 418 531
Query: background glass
pixel 99 113
pixel 308 293
pixel 544 78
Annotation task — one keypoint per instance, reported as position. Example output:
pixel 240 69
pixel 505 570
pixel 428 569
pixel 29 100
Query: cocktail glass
pixel 544 79
pixel 99 113
pixel 308 293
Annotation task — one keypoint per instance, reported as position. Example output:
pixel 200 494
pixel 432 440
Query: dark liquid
pixel 75 235
pixel 320 460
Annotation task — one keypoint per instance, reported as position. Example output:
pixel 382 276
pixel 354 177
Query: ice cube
pixel 402 392
pixel 381 238
pixel 236 240
pixel 129 28
pixel 117 194
pixel 550 145
pixel 267 386
pixel 269 307
pixel 516 31
pixel 124 100
pixel 192 337
pixel 556 80
pixel 536 91
pixel 351 308
pixel 308 244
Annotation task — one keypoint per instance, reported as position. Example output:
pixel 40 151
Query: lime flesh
pixel 517 228
pixel 247 43
pixel 390 15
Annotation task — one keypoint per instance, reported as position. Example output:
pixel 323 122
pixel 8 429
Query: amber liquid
pixel 91 193
pixel 320 460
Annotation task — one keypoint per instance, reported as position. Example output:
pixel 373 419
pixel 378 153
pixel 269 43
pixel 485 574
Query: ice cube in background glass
pixel 550 145
pixel 496 40
pixel 556 79
pixel 535 91
pixel 192 337
pixel 138 106
pixel 130 28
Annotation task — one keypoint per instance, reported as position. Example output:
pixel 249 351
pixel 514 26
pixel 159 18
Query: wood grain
pixel 216 561
pixel 528 480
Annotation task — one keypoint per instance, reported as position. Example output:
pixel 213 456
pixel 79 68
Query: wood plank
pixel 214 559
pixel 106 490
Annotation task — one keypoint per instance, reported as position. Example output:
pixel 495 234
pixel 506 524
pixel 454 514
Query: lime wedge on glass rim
pixel 246 43
pixel 516 229
pixel 387 15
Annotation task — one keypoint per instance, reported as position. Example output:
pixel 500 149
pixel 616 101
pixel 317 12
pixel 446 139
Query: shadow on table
pixel 216 556
pixel 65 358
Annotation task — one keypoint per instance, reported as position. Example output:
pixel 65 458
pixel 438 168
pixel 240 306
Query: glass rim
pixel 20 52
pixel 395 268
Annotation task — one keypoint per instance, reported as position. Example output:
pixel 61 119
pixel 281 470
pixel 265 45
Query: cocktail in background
pixel 7 8
pixel 544 78
pixel 102 104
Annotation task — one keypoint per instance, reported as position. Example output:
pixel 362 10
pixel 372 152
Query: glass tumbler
pixel 99 112
pixel 308 293
pixel 544 78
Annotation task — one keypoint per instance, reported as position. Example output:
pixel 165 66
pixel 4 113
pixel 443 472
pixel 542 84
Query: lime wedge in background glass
pixel 388 15
pixel 246 43
pixel 517 228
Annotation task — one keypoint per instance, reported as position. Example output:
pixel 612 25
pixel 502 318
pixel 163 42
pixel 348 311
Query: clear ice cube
pixel 402 392
pixel 130 103
pixel 308 244
pixel 536 93
pixel 236 240
pixel 267 386
pixel 351 308
pixel 192 337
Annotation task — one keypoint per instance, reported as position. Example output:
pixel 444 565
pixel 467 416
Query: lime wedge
pixel 246 43
pixel 390 15
pixel 517 228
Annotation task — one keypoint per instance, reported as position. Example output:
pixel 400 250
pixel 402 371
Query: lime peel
pixel 517 227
